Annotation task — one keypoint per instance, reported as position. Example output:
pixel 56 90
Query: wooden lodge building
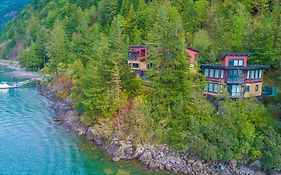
pixel 234 74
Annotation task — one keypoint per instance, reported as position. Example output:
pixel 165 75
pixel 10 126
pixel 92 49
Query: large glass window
pixel 231 63
pixel 257 74
pixel 221 88
pixel 216 88
pixel 235 62
pixel 260 74
pixel 247 89
pixel 211 72
pixel 211 87
pixel 248 75
pixel 241 62
pixel 234 75
pixel 253 74
pixel 222 73
pixel 216 73
pixel 206 72
pixel 236 90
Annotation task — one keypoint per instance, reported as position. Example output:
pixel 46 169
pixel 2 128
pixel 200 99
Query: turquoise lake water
pixel 31 143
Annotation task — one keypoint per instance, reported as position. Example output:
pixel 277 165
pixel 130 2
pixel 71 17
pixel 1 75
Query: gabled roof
pixel 137 46
pixel 190 48
pixel 234 54
pixel 249 67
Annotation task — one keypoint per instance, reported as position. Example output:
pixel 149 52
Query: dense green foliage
pixel 9 8
pixel 89 39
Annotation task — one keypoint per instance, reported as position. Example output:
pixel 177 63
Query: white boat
pixel 4 85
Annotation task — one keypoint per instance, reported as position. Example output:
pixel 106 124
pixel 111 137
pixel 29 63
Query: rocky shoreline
pixel 160 157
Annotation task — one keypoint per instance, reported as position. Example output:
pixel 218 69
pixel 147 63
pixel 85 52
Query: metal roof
pixel 249 67
pixel 235 54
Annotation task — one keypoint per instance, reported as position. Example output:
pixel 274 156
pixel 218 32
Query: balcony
pixel 235 80
pixel 235 76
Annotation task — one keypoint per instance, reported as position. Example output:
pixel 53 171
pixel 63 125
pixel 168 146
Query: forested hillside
pixel 9 8
pixel 84 44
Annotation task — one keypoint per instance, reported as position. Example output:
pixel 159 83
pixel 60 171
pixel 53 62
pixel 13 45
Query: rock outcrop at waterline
pixel 160 157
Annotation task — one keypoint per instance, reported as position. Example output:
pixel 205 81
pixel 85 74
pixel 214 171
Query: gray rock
pixel 221 167
pixel 99 141
pixel 168 166
pixel 112 148
pixel 224 172
pixel 153 165
pixel 146 156
pixel 128 151
pixel 90 135
pixel 245 171
pixel 256 166
pixel 232 164
pixel 115 159
pixel 139 151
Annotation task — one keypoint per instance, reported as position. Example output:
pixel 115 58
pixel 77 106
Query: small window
pixel 216 73
pixel 247 89
pixel 216 88
pixel 211 72
pixel 231 62
pixel 222 73
pixel 211 85
pixel 196 57
pixel 221 88
pixel 257 87
pixel 241 62
pixel 257 74
pixel 260 74
pixel 206 72
pixel 235 62
pixel 253 74
pixel 135 65
pixel 248 75
pixel 142 52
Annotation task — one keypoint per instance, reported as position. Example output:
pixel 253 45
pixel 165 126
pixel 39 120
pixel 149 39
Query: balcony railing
pixel 237 80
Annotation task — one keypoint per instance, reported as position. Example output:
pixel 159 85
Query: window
pixel 196 57
pixel 236 90
pixel 149 65
pixel 211 72
pixel 235 75
pixel 235 62
pixel 257 74
pixel 221 88
pixel 216 88
pixel 253 74
pixel 222 73
pixel 211 87
pixel 247 89
pixel 260 74
pixel 231 62
pixel 216 73
pixel 135 65
pixel 248 75
pixel 241 62
pixel 142 52
pixel 257 87
pixel 206 72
